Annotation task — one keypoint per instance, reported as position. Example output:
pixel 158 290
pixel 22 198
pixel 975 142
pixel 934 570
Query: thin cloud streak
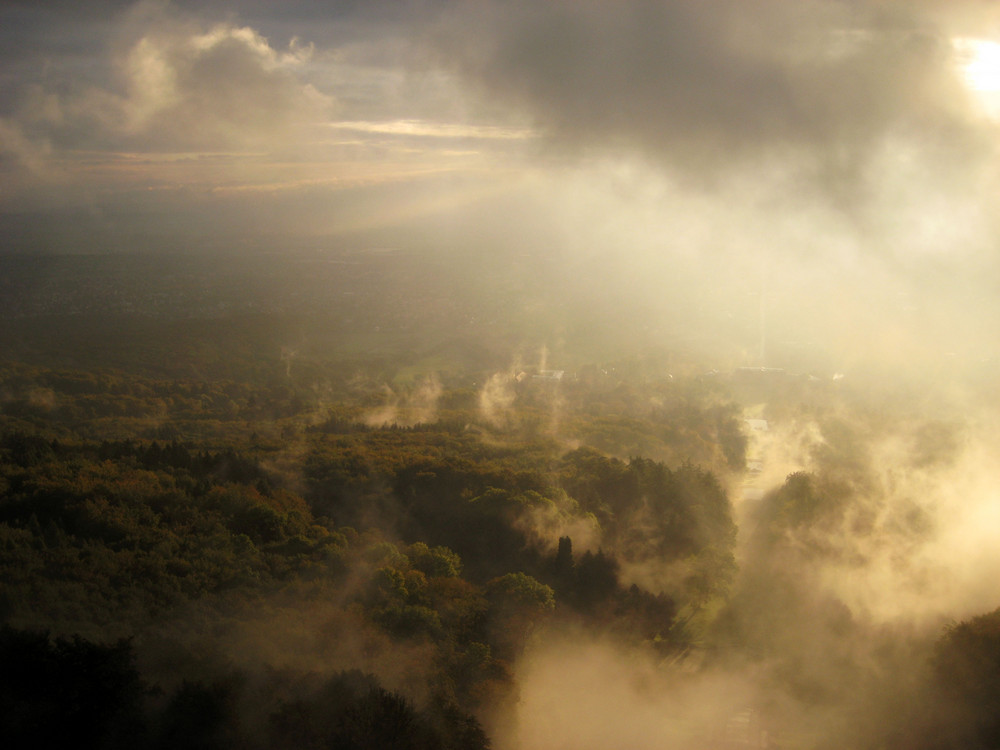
pixel 437 129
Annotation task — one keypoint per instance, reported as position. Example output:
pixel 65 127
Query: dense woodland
pixel 313 553
pixel 145 521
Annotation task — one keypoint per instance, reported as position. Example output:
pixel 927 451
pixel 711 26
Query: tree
pixel 68 693
pixel 200 717
pixel 434 562
pixel 518 603
pixel 965 697
pixel 596 579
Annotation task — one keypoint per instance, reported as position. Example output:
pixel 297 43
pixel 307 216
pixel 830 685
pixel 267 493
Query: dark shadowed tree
pixel 68 693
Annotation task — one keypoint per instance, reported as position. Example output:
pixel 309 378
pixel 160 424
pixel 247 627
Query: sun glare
pixel 979 65
pixel 982 69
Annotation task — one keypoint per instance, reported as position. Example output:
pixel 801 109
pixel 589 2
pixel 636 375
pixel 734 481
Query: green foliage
pixel 804 500
pixel 965 689
pixel 520 592
pixel 209 484
pixel 651 511
pixel 76 693
pixel 408 621
pixel 130 503
pixel 518 605
pixel 437 562
pixel 351 711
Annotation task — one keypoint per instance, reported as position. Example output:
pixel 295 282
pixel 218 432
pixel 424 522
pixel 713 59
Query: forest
pixel 208 539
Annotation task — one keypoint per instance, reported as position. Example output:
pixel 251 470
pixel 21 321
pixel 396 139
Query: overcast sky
pixel 846 145
pixel 249 96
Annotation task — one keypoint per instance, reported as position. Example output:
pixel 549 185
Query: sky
pixel 840 154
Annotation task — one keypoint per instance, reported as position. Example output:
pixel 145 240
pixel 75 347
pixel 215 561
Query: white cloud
pixel 173 84
pixel 223 88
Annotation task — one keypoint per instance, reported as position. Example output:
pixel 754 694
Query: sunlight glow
pixel 979 64
pixel 982 68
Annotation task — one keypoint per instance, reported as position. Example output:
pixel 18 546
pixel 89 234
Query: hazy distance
pixel 806 187
pixel 834 163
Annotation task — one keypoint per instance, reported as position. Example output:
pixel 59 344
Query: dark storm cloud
pixel 705 83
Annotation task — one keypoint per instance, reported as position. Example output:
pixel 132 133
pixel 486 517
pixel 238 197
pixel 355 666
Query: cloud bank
pixel 707 85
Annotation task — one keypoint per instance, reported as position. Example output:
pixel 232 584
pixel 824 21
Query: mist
pixel 831 163
pixel 756 241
